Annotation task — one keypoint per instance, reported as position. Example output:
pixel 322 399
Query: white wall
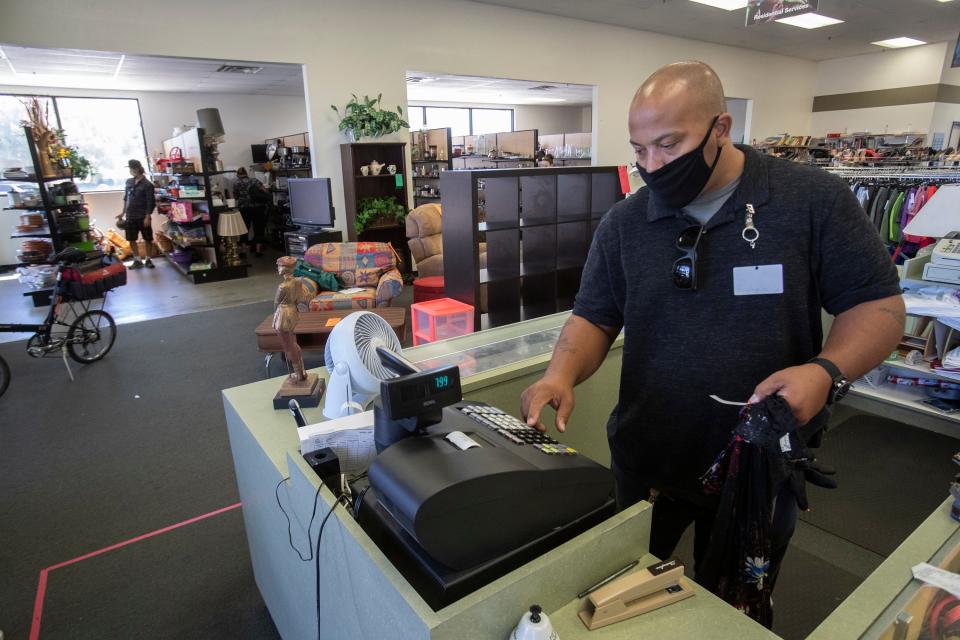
pixel 549 119
pixel 247 119
pixel 739 108
pixel 886 69
pixel 544 118
pixel 366 47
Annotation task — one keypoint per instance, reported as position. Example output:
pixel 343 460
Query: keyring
pixel 750 234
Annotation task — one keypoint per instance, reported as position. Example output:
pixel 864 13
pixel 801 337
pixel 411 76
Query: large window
pixel 14 152
pixel 463 121
pixel 106 131
pixel 492 121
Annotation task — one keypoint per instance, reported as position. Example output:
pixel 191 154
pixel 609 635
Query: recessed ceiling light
pixel 899 43
pixel 729 5
pixel 809 21
pixel 944 0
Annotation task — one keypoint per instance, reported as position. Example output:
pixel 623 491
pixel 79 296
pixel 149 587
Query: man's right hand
pixel 547 391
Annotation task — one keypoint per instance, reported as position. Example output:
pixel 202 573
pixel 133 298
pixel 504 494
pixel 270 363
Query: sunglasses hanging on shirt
pixel 685 267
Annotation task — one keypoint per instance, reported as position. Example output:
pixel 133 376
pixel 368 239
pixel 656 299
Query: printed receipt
pixel 940 578
pixel 351 438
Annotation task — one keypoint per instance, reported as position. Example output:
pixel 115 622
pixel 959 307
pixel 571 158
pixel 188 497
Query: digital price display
pixel 416 393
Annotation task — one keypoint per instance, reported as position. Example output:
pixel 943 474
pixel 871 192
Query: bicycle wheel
pixel 4 376
pixel 91 336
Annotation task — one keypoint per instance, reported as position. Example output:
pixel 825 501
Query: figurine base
pixel 306 393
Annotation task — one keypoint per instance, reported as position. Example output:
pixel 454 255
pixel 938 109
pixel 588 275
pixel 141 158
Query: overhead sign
pixel 764 11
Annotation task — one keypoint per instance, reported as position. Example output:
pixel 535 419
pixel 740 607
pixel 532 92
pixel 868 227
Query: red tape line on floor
pixel 42 582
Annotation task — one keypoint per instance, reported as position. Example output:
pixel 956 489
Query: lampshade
pixel 209 120
pixel 231 224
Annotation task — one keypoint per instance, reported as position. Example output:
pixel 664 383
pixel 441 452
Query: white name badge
pixel 759 280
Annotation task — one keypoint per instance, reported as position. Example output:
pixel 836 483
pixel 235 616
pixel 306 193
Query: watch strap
pixel 833 370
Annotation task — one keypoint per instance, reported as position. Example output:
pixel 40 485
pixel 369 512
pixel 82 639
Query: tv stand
pixel 296 243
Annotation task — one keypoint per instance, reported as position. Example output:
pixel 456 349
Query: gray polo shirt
pixel 682 346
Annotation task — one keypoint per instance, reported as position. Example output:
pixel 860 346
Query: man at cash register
pixel 717 271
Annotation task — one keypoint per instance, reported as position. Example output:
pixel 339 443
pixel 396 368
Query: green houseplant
pixel 369 210
pixel 366 118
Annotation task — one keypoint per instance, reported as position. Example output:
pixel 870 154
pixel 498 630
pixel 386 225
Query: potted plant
pixel 69 156
pixel 378 211
pixel 365 118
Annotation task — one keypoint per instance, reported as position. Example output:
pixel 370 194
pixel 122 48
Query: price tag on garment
pixel 758 280
pixel 398 179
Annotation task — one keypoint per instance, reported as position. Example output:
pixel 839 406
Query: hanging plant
pixel 369 210
pixel 365 118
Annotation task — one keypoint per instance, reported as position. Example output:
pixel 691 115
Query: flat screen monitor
pixel 311 202
pixel 259 153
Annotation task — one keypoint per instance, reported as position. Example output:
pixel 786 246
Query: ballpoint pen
pixel 609 578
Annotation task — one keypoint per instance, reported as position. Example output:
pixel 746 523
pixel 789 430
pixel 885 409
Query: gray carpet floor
pixel 136 443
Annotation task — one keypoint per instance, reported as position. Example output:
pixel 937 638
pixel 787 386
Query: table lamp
pixel 209 120
pixel 230 226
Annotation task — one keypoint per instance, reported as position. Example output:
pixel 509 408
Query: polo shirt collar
pixel 754 188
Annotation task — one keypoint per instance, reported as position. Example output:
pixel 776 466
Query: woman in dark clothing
pixel 251 194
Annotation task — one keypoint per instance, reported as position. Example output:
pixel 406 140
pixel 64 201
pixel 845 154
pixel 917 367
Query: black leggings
pixel 256 218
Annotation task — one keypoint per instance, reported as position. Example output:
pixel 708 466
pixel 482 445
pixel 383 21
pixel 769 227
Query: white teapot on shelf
pixel 376 167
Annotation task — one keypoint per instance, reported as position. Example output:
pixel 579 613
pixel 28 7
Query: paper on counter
pixel 351 438
pixel 940 578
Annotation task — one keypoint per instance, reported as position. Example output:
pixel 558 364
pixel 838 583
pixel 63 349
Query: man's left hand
pixel 805 389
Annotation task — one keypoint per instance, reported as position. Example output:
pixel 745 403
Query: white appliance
pixel 351 358
pixel 944 265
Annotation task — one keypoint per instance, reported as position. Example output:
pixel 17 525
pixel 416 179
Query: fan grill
pixel 372 331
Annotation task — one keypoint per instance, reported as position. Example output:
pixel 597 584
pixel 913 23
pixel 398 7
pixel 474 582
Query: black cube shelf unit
pixel 537 225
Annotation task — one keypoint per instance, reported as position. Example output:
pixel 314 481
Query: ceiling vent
pixel 543 87
pixel 238 68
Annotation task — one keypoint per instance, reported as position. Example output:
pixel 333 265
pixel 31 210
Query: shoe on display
pixel 149 264
pixel 136 265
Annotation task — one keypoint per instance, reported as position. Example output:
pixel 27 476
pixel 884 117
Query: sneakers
pixel 137 264
pixel 149 264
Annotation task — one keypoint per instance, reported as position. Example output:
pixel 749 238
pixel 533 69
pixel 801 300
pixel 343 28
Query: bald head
pixel 692 87
pixel 674 110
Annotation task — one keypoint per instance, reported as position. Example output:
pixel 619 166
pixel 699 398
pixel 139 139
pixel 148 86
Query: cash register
pixel 461 492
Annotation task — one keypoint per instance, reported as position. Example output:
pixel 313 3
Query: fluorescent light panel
pixel 729 5
pixel 809 21
pixel 899 43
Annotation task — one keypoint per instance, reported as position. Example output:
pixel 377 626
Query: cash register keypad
pixel 515 430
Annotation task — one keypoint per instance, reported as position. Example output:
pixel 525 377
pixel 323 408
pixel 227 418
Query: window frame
pixel 56 113
pixel 469 110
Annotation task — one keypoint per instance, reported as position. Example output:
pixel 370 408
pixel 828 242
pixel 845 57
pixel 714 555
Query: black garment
pixel 255 216
pixel 138 199
pixel 672 516
pixel 134 227
pixel 681 346
pixel 764 459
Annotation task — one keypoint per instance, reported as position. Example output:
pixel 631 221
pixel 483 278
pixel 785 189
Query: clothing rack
pixel 904 174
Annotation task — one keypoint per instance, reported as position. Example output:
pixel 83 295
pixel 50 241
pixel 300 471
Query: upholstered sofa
pixel 371 266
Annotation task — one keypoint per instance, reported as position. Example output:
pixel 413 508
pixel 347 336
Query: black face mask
pixel 678 183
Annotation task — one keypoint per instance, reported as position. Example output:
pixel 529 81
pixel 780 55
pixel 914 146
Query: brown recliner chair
pixel 424 237
pixel 425 240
